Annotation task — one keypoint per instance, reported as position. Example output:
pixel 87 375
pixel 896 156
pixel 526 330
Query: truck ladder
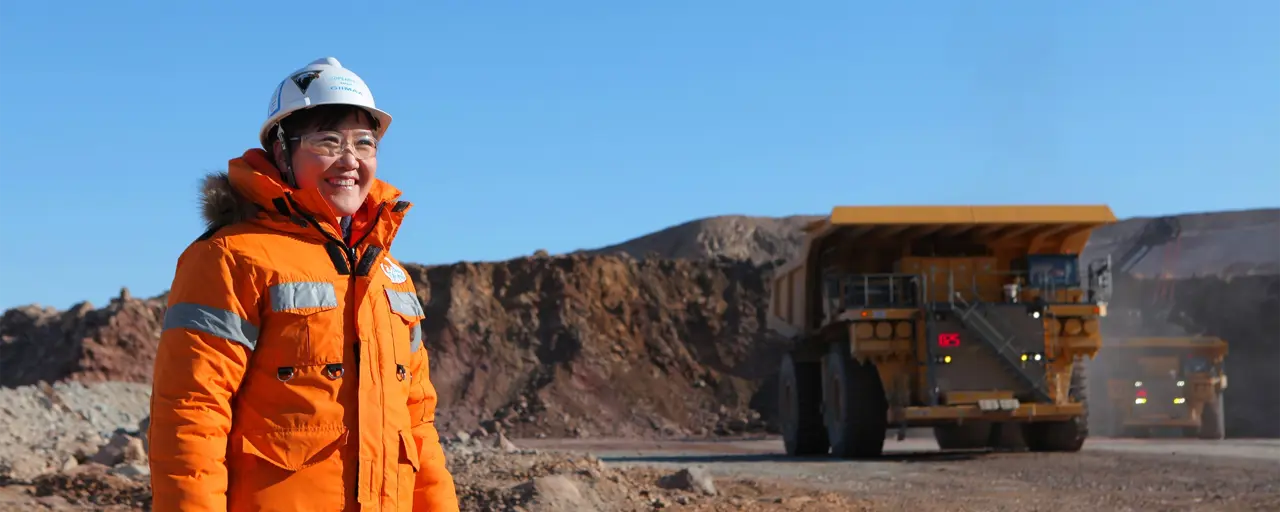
pixel 972 318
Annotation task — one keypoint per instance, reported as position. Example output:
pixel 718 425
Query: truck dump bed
pixel 968 215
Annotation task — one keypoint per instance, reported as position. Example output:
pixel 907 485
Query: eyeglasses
pixel 333 143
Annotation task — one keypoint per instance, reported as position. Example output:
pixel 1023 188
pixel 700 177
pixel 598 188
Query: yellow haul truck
pixel 1160 376
pixel 1159 383
pixel 960 318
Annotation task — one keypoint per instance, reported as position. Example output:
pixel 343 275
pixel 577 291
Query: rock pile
pixel 492 473
pixel 46 428
pixel 93 486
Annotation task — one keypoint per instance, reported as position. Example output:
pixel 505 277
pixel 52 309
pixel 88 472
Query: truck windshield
pixel 1195 365
pixel 1053 271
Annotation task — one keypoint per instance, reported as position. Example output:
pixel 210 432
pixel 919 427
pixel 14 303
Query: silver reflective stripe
pixel 213 321
pixel 302 295
pixel 405 303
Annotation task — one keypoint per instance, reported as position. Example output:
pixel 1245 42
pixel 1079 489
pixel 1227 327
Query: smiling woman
pixel 272 389
pixel 317 154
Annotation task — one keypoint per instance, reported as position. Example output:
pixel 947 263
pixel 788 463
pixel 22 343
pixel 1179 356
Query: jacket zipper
pixel 350 252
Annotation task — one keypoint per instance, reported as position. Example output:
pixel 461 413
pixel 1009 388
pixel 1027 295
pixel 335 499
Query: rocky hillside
pixel 115 342
pixel 756 239
pixel 1222 244
pixel 574 345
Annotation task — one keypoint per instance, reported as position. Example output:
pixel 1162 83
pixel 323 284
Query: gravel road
pixel 1109 474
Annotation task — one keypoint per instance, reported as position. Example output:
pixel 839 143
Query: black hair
pixel 320 117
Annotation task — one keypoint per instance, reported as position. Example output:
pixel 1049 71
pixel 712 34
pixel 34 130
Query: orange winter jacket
pixel 291 373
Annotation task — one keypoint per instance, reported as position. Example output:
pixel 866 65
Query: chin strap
pixel 287 171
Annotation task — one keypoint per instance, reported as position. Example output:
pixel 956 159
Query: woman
pixel 291 373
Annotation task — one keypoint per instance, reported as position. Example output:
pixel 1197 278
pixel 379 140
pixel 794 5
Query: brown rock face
pixel 571 345
pixel 608 345
pixel 117 342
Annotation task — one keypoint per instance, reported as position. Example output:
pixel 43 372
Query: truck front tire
pixel 800 407
pixel 1213 420
pixel 855 408
pixel 1067 435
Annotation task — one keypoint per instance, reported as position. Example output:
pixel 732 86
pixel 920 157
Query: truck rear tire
pixel 1007 437
pixel 855 408
pixel 800 407
pixel 970 435
pixel 980 435
pixel 1213 420
pixel 1055 436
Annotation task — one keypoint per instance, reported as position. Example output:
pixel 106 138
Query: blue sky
pixel 567 125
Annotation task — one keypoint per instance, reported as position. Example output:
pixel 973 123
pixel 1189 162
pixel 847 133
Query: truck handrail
pixel 885 290
pixel 908 290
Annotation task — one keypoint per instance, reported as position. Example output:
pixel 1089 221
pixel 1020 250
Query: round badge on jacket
pixel 393 271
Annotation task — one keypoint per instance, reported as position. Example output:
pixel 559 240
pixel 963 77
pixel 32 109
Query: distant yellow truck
pixel 1162 383
pixel 967 319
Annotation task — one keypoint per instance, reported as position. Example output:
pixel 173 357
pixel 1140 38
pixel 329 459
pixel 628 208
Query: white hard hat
pixel 322 82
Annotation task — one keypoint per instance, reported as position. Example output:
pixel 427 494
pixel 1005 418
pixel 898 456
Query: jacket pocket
pixel 294 450
pixel 406 325
pixel 305 326
pixel 289 470
pixel 407 469
pixel 409 450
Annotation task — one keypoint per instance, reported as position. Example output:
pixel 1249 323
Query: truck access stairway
pixel 973 319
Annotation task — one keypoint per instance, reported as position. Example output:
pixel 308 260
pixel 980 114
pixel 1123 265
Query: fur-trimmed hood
pixel 221 204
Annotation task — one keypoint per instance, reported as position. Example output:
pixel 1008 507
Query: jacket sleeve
pixel 210 328
pixel 434 490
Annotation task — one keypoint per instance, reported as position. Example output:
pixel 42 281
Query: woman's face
pixel 344 179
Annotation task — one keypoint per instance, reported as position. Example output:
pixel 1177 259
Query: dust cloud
pixel 1244 311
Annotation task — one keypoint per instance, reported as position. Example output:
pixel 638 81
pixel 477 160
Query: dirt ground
pixel 1109 474
pixel 544 475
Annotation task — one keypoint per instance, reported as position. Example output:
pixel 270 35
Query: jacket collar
pixel 252 191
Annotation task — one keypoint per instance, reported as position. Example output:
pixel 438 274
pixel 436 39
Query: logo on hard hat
pixel 303 80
